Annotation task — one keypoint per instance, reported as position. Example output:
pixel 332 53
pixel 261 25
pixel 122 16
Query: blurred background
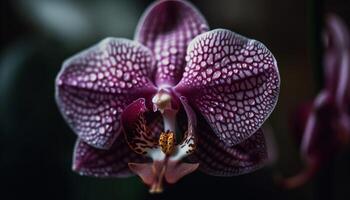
pixel 36 145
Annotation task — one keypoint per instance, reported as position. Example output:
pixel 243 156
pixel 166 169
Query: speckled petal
pixel 90 161
pixel 233 81
pixel 94 86
pixel 215 158
pixel 167 27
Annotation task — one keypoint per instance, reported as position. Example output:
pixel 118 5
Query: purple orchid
pixel 325 122
pixel 130 101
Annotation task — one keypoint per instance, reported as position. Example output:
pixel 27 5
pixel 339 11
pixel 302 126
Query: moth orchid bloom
pixel 177 98
pixel 326 121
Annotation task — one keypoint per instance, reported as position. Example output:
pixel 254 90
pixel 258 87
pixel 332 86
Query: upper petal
pixel 218 159
pixel 90 161
pixel 166 28
pixel 233 81
pixel 94 86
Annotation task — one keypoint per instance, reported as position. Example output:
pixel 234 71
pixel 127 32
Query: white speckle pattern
pixel 167 28
pixel 216 158
pixel 237 90
pixel 94 86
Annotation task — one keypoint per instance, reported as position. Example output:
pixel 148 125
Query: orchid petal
pixel 337 60
pixel 166 28
pixel 215 158
pixel 233 81
pixel 90 161
pixel 139 137
pixel 144 171
pixel 176 171
pixel 94 86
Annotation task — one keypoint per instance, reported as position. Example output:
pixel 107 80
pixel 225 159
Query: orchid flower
pixel 177 98
pixel 326 121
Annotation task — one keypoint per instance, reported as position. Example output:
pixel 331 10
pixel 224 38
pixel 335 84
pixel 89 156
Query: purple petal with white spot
pixel 90 161
pixel 233 81
pixel 166 28
pixel 94 86
pixel 216 158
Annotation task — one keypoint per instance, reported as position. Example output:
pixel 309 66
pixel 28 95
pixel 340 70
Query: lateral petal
pixel 216 158
pixel 90 161
pixel 233 81
pixel 94 86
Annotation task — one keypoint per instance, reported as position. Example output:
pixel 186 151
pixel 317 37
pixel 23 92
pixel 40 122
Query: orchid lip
pixel 166 162
pixel 161 147
pixel 166 147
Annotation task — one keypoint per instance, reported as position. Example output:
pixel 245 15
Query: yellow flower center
pixel 167 142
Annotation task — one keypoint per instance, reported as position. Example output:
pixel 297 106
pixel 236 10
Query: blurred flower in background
pixel 325 122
